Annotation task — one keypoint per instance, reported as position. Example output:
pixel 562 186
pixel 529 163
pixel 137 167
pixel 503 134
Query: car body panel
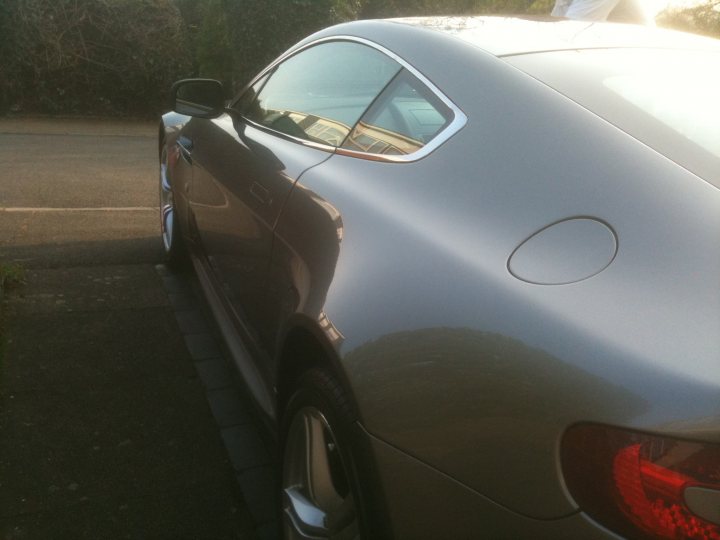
pixel 242 177
pixel 460 369
pixel 505 36
pixel 443 507
pixel 588 76
pixel 456 366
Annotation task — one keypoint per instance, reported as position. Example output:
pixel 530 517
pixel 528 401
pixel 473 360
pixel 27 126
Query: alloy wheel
pixel 167 204
pixel 317 501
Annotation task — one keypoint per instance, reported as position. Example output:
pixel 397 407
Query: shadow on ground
pixel 109 422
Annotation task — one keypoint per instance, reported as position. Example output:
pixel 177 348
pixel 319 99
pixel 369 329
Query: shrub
pixel 701 19
pixel 405 8
pixel 260 31
pixel 239 37
pixel 119 57
pixel 90 56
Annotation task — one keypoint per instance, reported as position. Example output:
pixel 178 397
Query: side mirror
pixel 202 98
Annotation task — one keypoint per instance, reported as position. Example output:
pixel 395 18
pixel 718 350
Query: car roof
pixel 506 36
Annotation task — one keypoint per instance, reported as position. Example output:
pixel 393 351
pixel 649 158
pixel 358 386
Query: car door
pixel 247 161
pixel 407 121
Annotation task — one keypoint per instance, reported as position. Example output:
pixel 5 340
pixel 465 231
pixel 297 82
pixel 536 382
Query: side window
pixel 405 117
pixel 321 92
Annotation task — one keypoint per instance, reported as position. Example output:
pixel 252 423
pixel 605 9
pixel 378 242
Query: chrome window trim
pixel 310 144
pixel 456 124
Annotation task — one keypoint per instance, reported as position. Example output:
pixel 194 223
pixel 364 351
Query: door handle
pixel 260 193
pixel 186 147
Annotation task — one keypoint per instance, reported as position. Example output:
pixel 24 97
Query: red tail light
pixel 638 485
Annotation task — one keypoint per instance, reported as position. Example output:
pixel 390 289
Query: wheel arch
pixel 304 346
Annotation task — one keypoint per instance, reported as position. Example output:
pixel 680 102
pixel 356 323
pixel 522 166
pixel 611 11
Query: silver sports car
pixel 469 269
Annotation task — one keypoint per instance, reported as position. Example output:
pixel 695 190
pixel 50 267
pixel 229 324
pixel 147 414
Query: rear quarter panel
pixel 453 360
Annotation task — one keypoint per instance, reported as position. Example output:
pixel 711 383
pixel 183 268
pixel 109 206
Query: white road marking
pixel 96 209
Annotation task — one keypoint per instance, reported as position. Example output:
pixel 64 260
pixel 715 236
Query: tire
pixel 174 249
pixel 320 493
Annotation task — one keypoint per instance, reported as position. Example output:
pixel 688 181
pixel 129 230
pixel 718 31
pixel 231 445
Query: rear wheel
pixel 174 249
pixel 319 492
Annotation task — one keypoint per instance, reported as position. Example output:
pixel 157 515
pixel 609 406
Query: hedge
pixel 84 57
pixel 119 57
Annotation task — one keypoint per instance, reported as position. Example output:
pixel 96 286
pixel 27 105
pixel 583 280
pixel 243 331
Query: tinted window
pixel 321 92
pixel 402 120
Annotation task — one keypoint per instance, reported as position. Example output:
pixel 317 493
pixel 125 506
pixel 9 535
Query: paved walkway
pixel 117 407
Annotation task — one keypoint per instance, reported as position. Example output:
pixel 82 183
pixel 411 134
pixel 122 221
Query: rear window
pixel 405 117
pixel 668 99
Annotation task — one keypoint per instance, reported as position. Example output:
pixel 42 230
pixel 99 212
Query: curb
pixel 234 415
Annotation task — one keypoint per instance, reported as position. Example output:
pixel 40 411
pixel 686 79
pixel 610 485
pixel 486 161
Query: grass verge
pixel 11 275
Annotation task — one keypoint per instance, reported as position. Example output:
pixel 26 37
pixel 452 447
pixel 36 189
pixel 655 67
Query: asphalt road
pixel 84 191
pixel 114 402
